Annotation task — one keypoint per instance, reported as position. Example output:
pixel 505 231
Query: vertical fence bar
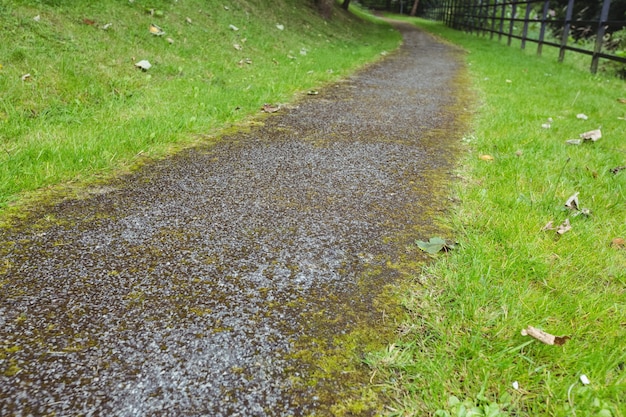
pixel 604 16
pixel 502 14
pixel 494 10
pixel 481 15
pixel 512 21
pixel 469 24
pixel 566 28
pixel 526 19
pixel 544 20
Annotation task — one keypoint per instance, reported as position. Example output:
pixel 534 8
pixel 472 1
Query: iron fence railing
pixel 534 21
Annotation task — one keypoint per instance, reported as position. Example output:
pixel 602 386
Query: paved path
pixel 216 282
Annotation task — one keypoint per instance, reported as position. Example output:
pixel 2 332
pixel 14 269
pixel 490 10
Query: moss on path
pixel 243 278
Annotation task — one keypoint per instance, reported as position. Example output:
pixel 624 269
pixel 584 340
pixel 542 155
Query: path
pixel 215 282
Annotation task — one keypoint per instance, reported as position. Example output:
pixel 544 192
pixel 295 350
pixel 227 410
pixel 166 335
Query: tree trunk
pixel 345 4
pixel 414 9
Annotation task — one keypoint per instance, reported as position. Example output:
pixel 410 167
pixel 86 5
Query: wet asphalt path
pixel 211 282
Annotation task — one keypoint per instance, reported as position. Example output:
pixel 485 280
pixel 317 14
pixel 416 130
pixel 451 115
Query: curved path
pixel 221 280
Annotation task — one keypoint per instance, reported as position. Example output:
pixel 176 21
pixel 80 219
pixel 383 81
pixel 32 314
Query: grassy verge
pixel 463 348
pixel 75 107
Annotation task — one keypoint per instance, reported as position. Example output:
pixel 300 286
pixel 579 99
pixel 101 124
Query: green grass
pixel 465 311
pixel 86 112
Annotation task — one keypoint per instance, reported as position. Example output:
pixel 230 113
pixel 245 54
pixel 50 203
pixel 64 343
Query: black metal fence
pixel 537 21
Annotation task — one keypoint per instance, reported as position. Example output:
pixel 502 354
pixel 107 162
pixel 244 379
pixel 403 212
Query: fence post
pixel 542 31
pixel 604 16
pixel 566 28
pixel 493 18
pixel 502 14
pixel 512 22
pixel 526 19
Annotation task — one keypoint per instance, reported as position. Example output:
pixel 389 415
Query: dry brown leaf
pixel 144 65
pixel 619 243
pixel 622 100
pixel 269 108
pixel 486 157
pixel 548 226
pixel 592 135
pixel 26 77
pixel 544 337
pixel 564 227
pixel 572 202
pixel 156 31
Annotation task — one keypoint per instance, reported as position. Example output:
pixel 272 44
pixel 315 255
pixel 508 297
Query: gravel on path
pixel 187 288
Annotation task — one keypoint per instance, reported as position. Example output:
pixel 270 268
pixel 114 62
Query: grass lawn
pixel 75 107
pixel 462 349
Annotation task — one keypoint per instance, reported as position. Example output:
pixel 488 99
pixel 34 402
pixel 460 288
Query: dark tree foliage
pixel 587 14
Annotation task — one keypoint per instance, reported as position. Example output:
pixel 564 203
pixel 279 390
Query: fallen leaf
pixel 269 108
pixel 515 385
pixel 89 22
pixel 170 40
pixel 107 26
pixel 583 212
pixel 584 379
pixel 245 61
pixel 144 65
pixel 592 135
pixel 518 152
pixel 156 31
pixel 619 243
pixel 564 227
pixel 26 77
pixel 303 51
pixel 237 46
pixel 508 81
pixel 546 125
pixel 544 337
pixel 188 20
pixel 434 245
pixel 37 18
pixel 574 141
pixel 486 157
pixel 312 92
pixel 233 27
pixel 581 116
pixel 618 169
pixel 622 100
pixel 280 27
pixel 572 202
pixel 548 226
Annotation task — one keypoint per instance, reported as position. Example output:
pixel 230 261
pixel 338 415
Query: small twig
pixel 576 98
